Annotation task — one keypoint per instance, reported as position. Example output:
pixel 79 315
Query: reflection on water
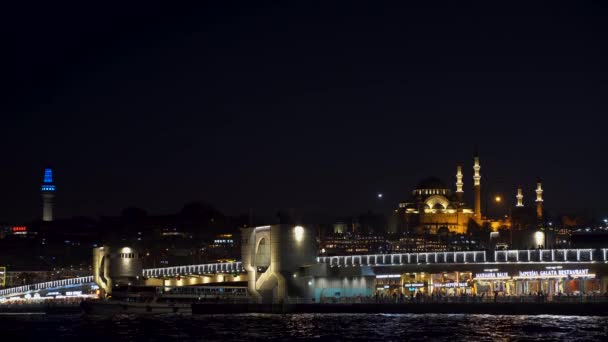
pixel 245 327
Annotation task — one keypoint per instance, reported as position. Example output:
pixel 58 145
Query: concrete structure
pixel 273 257
pixel 116 267
pixel 48 195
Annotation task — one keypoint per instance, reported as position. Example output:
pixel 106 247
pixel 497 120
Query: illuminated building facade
pixel 550 272
pixel 552 281
pixel 48 195
pixel 432 208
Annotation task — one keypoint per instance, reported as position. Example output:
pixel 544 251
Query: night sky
pixel 313 106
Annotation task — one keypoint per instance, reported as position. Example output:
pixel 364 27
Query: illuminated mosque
pixel 434 209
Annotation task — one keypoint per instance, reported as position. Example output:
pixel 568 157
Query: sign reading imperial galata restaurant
pixel 564 273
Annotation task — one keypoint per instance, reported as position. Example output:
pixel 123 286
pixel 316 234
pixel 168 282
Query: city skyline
pixel 496 198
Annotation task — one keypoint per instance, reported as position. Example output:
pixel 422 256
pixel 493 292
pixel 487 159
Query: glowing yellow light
pixel 539 238
pixel 498 199
pixel 298 232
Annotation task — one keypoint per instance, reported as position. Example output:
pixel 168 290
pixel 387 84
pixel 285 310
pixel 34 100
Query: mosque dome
pixel 431 186
pixel 438 206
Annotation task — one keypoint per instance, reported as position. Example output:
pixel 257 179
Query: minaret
pixel 539 200
pixel 459 192
pixel 520 197
pixel 477 188
pixel 48 194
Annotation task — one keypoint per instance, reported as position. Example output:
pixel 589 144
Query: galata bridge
pixel 280 263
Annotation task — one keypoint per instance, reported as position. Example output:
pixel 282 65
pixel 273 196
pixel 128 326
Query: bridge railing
pixel 404 258
pixel 534 255
pixel 46 285
pixel 203 269
pixel 551 255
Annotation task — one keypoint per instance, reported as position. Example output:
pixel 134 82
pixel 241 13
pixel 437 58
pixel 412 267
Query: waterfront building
pixel 503 278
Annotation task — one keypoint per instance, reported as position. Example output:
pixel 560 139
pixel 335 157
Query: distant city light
pixel 47 188
pixel 47 182
pixel 498 199
pixel 539 238
pixel 379 195
pixel 48 176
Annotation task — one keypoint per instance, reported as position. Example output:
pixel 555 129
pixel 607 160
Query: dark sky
pixel 315 106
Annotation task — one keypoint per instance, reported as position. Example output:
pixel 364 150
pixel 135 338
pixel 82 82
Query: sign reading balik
pixel 491 275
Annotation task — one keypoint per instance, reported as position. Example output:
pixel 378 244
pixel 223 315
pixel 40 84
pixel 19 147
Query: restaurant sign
pixel 555 273
pixel 450 285
pixel 492 275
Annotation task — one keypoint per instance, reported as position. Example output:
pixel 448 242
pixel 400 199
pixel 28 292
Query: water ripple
pixel 343 327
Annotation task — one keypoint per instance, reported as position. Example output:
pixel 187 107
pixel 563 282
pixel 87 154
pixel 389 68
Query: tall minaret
pixel 48 194
pixel 539 200
pixel 477 188
pixel 459 192
pixel 520 197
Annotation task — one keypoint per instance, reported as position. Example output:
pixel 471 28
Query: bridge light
pixel 298 232
pixel 539 238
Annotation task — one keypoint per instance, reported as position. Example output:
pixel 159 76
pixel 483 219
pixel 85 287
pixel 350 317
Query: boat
pixel 158 300
pixel 154 305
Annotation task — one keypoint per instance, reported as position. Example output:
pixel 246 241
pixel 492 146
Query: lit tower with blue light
pixel 48 195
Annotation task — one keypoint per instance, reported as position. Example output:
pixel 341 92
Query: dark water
pixel 251 327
